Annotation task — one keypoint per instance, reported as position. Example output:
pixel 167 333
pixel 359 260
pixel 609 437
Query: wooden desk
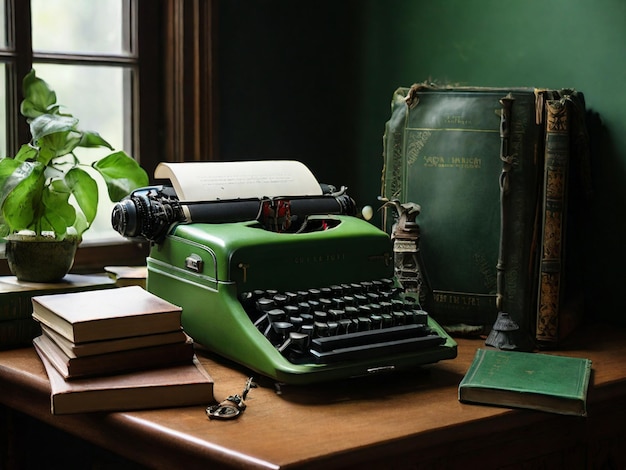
pixel 409 420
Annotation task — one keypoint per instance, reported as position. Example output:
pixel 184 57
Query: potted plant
pixel 48 198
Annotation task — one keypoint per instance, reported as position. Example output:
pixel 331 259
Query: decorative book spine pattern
pixel 553 225
pixel 507 164
pixel 519 200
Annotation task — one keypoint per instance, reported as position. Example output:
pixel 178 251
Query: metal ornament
pixel 233 406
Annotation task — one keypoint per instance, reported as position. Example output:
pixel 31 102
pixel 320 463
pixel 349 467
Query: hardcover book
pixel 446 150
pixel 181 385
pixel 106 314
pixel 566 191
pixel 113 362
pixel 112 345
pixel 490 172
pixel 17 327
pixel 543 382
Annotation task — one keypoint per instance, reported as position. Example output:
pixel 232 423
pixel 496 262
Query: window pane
pixel 3 26
pixel 4 148
pixel 93 26
pixel 95 96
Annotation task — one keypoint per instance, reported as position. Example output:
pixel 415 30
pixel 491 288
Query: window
pixel 137 71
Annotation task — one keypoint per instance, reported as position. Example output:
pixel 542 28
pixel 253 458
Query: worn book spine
pixel 557 153
pixel 560 307
pixel 521 155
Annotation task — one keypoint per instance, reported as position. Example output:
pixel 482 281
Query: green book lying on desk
pixel 544 382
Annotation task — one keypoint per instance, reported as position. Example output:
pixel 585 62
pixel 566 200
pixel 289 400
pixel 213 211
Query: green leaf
pixel 7 168
pixel 122 174
pixel 26 152
pixel 93 139
pixel 85 191
pixel 12 173
pixel 58 144
pixel 46 124
pixel 38 97
pixel 59 214
pixel 22 207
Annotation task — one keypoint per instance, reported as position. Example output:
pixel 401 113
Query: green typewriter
pixel 296 288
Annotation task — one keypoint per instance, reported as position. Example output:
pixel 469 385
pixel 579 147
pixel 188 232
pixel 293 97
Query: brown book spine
pixel 553 225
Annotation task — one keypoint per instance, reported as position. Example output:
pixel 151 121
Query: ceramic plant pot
pixel 39 258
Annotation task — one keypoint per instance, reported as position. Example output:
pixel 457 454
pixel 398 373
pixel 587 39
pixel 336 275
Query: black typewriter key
pixel 308 329
pixel 364 323
pixel 346 288
pixel 377 321
pixel 349 300
pixel 366 287
pixel 351 312
pixel 397 305
pixel 387 320
pixel 307 318
pixel 364 310
pixel 378 286
pixel 337 290
pixel 314 294
pixel 385 307
pixel 303 295
pixel 326 292
pixel 376 309
pixel 315 305
pixel 399 318
pixel 264 304
pixel 297 322
pixel 360 299
pixel 338 303
pixel 304 307
pixel 321 329
pixel 333 328
pixel 292 297
pixel 291 310
pixel 280 299
pixel 320 316
pixel 276 315
pixel 283 328
pixel 346 326
pixel 420 317
pixel 298 342
pixel 335 314
pixel 356 288
pixel 325 303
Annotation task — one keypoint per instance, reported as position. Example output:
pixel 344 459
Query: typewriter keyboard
pixel 343 322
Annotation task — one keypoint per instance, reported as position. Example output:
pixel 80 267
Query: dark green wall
pixel 313 81
pixel 542 43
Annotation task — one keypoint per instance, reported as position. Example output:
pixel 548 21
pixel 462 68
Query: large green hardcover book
pixel 471 158
pixel 543 382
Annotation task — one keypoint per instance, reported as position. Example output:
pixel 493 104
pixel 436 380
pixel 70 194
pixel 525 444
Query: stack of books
pixel 117 349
